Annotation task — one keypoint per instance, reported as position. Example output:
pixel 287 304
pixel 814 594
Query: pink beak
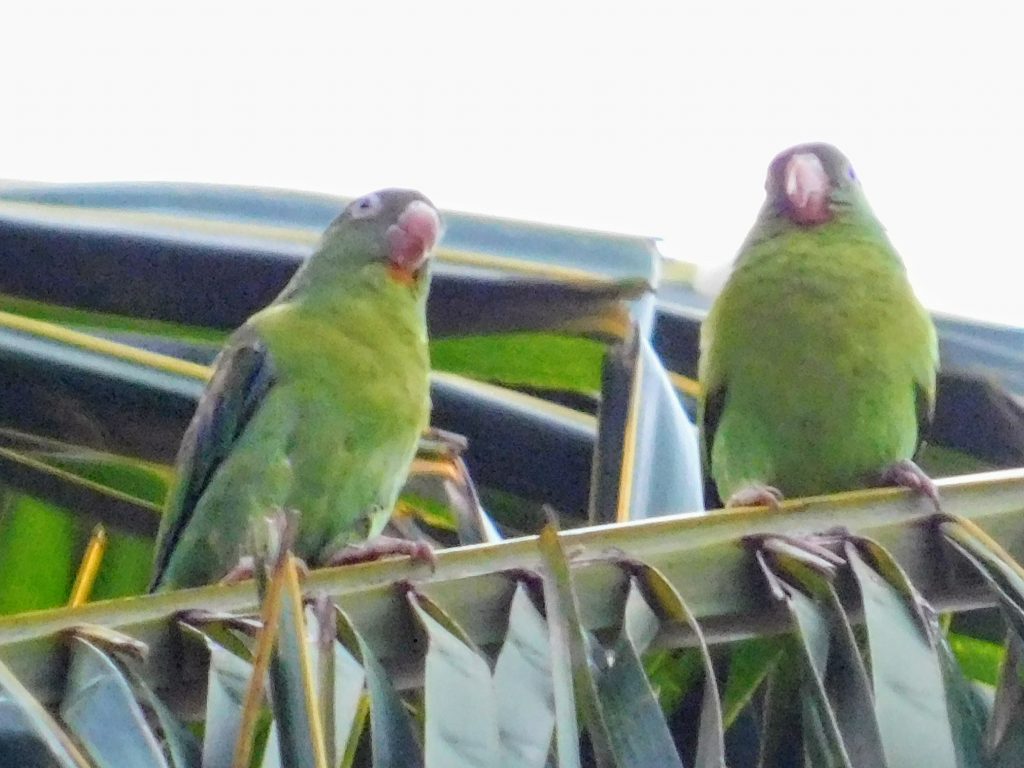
pixel 412 238
pixel 807 189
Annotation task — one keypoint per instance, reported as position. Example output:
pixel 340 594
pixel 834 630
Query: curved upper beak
pixel 411 239
pixel 807 188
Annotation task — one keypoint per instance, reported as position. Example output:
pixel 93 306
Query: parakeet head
pixel 392 228
pixel 811 184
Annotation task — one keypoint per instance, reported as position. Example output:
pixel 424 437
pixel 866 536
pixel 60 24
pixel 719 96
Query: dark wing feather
pixel 925 404
pixel 243 374
pixel 710 415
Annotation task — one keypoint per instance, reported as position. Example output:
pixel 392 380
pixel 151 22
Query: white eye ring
pixel 365 207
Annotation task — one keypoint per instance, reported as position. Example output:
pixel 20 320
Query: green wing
pixel 242 377
pixel 711 402
pixel 710 414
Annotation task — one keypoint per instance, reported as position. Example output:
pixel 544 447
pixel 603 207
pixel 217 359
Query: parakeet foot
pixel 245 569
pixel 383 546
pixel 756 495
pixel 906 474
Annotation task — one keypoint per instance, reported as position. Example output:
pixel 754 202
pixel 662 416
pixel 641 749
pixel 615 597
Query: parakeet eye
pixel 851 174
pixel 365 207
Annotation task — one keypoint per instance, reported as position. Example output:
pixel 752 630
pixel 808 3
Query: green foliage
pixel 516 655
pixel 657 643
pixel 537 361
pixel 38 542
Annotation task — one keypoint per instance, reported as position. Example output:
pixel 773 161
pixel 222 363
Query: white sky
pixel 635 116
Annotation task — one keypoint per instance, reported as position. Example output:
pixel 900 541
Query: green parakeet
pixel 818 364
pixel 316 403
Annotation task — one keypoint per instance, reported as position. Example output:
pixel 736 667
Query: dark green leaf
pixel 1004 740
pixel 750 664
pixel 910 696
pixel 821 730
pixel 393 739
pixel 781 746
pixel 637 729
pixel 669 603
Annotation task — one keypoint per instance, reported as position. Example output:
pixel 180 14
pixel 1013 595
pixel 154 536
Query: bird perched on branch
pixel 818 364
pixel 316 403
